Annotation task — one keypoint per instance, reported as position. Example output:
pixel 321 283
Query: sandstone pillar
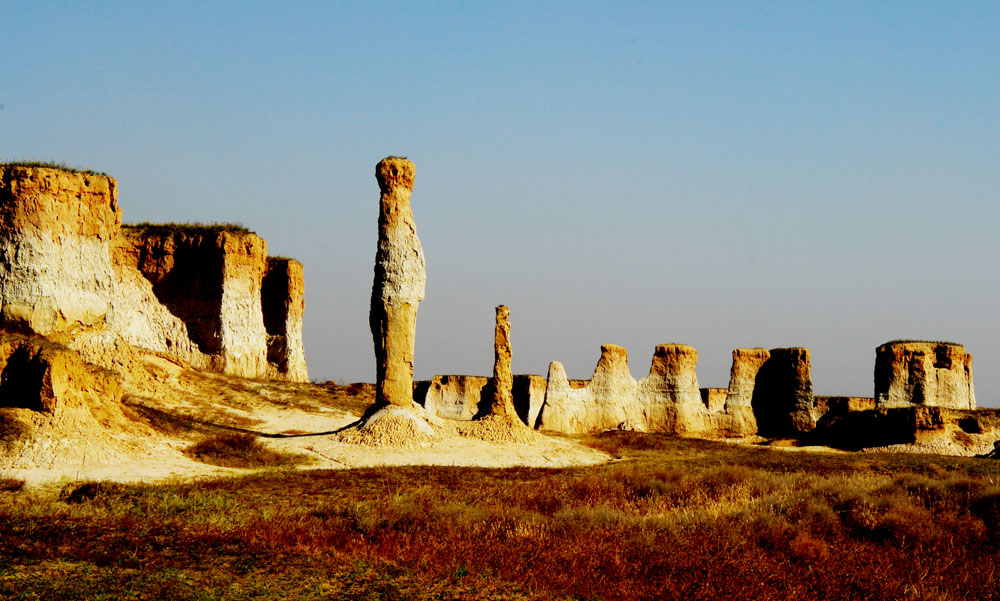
pixel 783 394
pixel 503 380
pixel 399 284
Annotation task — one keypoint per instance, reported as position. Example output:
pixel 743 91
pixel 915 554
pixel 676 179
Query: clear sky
pixel 719 174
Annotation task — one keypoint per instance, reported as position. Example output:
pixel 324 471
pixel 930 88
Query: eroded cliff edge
pixel 72 273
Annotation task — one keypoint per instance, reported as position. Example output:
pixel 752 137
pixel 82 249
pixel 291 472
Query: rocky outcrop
pixel 666 400
pixel 56 230
pixel 783 396
pixel 454 397
pixel 714 399
pixel 70 272
pixel 669 398
pixel 608 401
pixel 208 278
pixel 529 396
pixel 283 303
pixel 399 284
pixel 936 374
pixel 57 409
pixel 503 380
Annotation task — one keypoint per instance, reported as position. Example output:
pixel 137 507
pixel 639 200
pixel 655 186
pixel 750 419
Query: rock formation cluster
pixel 937 374
pixel 70 272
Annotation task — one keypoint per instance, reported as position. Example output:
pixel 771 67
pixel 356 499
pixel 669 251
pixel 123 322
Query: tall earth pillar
pixel 503 380
pixel 399 284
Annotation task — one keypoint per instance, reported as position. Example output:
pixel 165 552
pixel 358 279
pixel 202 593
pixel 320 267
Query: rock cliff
pixel 56 230
pixel 937 374
pixel 283 299
pixel 69 271
pixel 783 395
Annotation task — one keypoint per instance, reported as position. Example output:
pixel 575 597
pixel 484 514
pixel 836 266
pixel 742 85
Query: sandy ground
pixel 174 407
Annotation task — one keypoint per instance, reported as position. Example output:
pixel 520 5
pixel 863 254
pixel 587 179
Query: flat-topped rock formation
pixel 70 272
pixel 936 374
pixel 56 230
pixel 783 394
pixel 739 418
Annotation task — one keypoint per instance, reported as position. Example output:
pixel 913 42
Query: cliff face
pixel 924 373
pixel 70 272
pixel 666 400
pixel 669 398
pixel 56 229
pixel 783 395
pixel 283 301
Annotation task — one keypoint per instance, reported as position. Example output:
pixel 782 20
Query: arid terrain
pixel 159 438
pixel 619 515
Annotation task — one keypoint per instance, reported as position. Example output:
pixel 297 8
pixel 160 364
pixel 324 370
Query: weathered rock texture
pixel 503 380
pixel 608 401
pixel 283 300
pixel 399 284
pixel 56 228
pixel 70 272
pixel 56 408
pixel 936 374
pixel 454 397
pixel 467 397
pixel 783 396
pixel 669 398
pixel 714 399
pixel 666 400
pixel 529 396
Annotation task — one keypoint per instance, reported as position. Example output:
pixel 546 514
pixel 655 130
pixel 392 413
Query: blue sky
pixel 718 174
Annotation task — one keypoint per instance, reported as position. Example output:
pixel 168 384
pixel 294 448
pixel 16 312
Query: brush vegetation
pixel 673 519
pixel 239 449
pixel 194 227
pixel 52 165
pixel 907 341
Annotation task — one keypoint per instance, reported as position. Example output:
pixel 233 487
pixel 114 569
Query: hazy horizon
pixel 721 175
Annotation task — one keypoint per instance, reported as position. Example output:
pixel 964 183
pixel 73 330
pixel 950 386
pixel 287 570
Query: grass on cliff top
pixel 673 519
pixel 908 340
pixel 187 228
pixel 52 165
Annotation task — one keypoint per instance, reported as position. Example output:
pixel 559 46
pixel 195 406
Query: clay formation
pixel 936 374
pixel 399 284
pixel 783 395
pixel 503 380
pixel 70 272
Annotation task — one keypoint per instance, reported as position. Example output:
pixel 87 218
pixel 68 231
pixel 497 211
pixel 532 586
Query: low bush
pixel 238 450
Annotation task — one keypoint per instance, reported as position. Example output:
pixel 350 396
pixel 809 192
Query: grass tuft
pixel 52 165
pixel 146 228
pixel 238 450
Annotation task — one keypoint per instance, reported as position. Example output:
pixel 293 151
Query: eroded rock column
pixel 503 380
pixel 399 284
pixel 783 394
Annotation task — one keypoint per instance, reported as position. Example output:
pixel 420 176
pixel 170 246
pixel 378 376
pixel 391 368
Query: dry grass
pixel 51 165
pixel 673 519
pixel 237 449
